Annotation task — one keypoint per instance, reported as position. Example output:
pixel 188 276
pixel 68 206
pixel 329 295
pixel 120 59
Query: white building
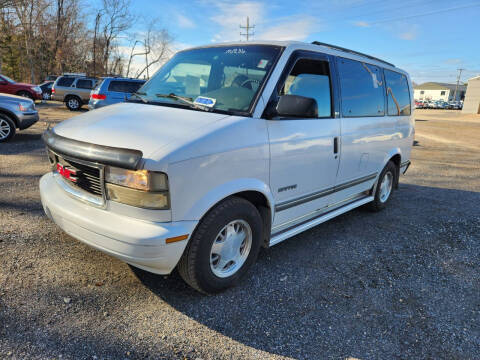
pixel 438 91
pixel 471 105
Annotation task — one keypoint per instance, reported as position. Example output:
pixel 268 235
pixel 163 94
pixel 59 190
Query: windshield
pixel 224 78
pixel 8 79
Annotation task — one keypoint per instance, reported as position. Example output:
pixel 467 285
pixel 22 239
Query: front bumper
pixel 25 120
pixel 137 242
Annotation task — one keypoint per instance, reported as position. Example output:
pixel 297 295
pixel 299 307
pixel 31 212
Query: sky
pixel 429 39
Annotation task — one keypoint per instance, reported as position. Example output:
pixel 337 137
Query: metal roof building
pixel 439 91
pixel 471 104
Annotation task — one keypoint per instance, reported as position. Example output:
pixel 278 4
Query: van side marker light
pixel 176 238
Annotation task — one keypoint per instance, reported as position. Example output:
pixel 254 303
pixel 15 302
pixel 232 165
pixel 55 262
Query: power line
pixel 247 28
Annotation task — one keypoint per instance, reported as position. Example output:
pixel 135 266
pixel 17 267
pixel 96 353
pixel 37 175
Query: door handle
pixel 335 145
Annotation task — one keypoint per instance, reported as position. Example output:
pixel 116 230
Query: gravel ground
pixel 400 284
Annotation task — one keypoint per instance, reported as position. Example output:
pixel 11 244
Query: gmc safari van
pixel 226 149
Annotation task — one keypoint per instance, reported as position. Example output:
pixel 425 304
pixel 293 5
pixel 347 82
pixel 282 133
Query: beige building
pixel 438 91
pixel 471 105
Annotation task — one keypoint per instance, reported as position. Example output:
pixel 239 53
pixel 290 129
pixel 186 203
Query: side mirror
pixel 294 106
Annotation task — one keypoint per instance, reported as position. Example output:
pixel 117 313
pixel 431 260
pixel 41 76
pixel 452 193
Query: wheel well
pixel 10 116
pixel 261 203
pixel 396 159
pixel 72 96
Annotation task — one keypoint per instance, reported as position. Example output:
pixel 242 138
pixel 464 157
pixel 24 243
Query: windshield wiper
pixel 141 96
pixel 184 99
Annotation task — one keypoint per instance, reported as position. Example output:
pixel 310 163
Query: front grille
pixel 88 177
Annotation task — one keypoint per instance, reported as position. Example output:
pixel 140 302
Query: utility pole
pixel 247 28
pixel 456 87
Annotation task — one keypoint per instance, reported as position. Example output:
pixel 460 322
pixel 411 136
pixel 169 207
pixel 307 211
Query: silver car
pixel 16 112
pixel 73 90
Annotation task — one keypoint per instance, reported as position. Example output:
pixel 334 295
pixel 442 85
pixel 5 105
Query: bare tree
pixel 115 19
pixel 156 48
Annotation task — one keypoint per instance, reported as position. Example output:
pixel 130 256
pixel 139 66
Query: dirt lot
pixel 403 283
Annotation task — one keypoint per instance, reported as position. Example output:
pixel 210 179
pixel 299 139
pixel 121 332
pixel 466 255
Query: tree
pixel 156 48
pixel 113 19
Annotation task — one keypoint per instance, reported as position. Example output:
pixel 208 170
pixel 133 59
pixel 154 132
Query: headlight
pixel 37 89
pixel 141 188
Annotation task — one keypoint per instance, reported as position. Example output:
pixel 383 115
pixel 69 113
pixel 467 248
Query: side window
pixel 65 81
pixel 311 78
pixel 133 86
pixel 398 94
pixel 124 86
pixel 362 89
pixel 84 84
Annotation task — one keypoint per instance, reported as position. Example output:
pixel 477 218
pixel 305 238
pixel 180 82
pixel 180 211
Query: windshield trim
pixel 254 103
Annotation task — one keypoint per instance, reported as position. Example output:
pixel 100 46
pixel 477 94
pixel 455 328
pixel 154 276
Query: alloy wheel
pixel 231 248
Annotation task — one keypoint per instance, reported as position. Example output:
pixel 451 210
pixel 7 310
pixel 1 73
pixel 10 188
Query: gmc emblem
pixel 67 173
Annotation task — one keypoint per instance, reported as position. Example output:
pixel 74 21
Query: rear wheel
pixel 385 186
pixel 73 103
pixel 224 246
pixel 7 128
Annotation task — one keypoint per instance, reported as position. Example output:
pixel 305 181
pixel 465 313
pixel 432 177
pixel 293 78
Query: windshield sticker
pixel 262 64
pixel 238 51
pixel 205 101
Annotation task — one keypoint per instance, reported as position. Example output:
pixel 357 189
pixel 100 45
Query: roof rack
pixel 335 47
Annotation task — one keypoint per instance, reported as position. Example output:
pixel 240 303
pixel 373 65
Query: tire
pixel 46 96
pixel 217 256
pixel 385 186
pixel 73 103
pixel 26 94
pixel 7 128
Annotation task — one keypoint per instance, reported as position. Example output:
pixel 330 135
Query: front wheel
pixel 26 94
pixel 385 186
pixel 224 246
pixel 7 128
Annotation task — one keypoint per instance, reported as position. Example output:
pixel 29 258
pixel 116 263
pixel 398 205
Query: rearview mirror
pixel 295 106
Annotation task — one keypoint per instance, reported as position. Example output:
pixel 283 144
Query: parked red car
pixel 9 86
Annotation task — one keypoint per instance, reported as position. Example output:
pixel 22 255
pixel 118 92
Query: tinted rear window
pixel 65 81
pixel 398 94
pixel 124 86
pixel 362 89
pixel 84 84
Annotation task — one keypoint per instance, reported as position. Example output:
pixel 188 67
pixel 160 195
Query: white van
pixel 229 148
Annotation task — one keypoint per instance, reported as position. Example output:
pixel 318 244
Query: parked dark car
pixel 16 112
pixel 9 86
pixel 113 90
pixel 46 90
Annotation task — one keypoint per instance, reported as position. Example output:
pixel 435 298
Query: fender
pixel 390 154
pixel 213 197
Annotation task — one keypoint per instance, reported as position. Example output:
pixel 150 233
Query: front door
pixel 304 163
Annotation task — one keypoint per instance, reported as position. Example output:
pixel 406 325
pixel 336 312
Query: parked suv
pixel 113 90
pixel 226 149
pixel 9 86
pixel 73 90
pixel 16 112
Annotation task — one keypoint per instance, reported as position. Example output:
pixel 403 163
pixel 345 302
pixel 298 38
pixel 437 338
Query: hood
pixel 15 98
pixel 25 85
pixel 142 127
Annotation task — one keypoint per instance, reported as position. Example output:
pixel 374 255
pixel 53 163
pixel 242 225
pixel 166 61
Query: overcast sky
pixel 429 39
